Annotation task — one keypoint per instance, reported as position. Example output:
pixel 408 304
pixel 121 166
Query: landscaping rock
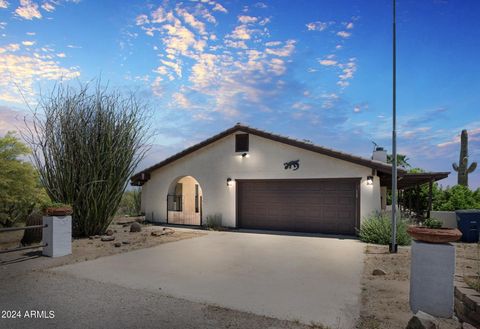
pixel 378 271
pixel 107 238
pixel 117 244
pixel 109 232
pixel 97 236
pixel 135 227
pixel 467 325
pixel 164 231
pixel 422 320
pixel 126 242
pixel 91 237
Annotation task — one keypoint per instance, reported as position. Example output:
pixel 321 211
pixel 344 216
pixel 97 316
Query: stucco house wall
pixel 214 163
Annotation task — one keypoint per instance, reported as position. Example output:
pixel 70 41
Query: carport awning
pixel 410 180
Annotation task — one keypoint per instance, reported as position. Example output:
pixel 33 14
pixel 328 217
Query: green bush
pixel 377 229
pixel 130 204
pixel 432 223
pixel 458 197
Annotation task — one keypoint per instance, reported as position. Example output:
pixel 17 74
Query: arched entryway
pixel 184 202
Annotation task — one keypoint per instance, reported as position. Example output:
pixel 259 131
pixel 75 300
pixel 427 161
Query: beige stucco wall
pixel 213 164
pixel 188 193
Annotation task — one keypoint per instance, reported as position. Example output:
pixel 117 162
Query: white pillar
pixel 57 235
pixel 432 273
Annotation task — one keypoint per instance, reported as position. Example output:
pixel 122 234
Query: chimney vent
pixel 379 154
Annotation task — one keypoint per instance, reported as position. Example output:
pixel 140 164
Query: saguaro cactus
pixel 462 168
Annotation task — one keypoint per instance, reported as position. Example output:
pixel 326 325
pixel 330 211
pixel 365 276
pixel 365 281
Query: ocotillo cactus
pixel 462 168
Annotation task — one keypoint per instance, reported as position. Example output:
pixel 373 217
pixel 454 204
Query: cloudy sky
pixel 317 70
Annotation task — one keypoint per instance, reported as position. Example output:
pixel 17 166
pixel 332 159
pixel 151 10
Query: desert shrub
pixel 20 189
pixel 86 145
pixel 377 229
pixel 214 222
pixel 130 203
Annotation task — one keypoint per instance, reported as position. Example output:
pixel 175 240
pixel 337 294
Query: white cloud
pixel 328 62
pixel 348 71
pixel 28 10
pixel 219 7
pixel 247 19
pixel 19 72
pixel 9 48
pixel 273 43
pixel 192 21
pixel 181 100
pixel 317 26
pixel 28 43
pixel 344 34
pixel 241 32
pixel 260 5
pixel 349 26
pixel 61 55
pixel 285 51
pixel 141 20
pixel 47 6
pixel 4 4
pixel 235 44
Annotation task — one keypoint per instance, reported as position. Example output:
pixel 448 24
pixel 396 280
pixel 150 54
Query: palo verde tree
pixel 20 190
pixel 86 144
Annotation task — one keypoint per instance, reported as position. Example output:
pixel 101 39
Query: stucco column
pixel 57 235
pixel 431 278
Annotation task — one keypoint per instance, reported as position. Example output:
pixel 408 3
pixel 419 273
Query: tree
pixel 86 144
pixel 20 190
pixel 402 160
pixel 130 204
pixel 457 197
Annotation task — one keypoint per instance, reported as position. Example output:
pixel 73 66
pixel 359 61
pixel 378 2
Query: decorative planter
pixel 434 235
pixel 58 211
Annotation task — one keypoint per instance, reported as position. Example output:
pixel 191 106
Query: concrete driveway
pixel 302 278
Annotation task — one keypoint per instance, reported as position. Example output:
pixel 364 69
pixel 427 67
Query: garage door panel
pixel 326 206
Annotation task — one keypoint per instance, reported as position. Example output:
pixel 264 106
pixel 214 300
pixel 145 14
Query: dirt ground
pixel 385 298
pixel 84 249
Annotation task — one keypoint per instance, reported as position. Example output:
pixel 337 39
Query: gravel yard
pixel 385 298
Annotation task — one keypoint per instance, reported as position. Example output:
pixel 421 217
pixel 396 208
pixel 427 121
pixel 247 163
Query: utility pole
pixel 393 245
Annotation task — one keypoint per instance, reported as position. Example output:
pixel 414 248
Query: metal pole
pixel 10 229
pixel 393 245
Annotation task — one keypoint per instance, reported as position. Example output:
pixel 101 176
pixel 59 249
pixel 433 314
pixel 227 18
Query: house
pixel 258 180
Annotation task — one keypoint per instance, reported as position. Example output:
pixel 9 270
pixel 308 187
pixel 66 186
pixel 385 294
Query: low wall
pixel 467 303
pixel 448 218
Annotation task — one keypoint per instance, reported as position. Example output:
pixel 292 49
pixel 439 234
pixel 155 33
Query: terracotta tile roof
pixel 144 175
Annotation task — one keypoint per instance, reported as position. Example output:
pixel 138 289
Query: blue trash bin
pixel 468 222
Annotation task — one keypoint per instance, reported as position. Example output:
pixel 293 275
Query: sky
pixel 315 70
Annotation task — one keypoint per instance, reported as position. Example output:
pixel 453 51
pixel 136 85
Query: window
pixel 196 198
pixel 241 143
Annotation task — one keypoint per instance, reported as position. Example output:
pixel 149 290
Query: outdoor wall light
pixel 245 155
pixel 369 180
pixel 229 181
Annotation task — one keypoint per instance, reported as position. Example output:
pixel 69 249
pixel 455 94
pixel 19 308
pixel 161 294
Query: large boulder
pixel 135 227
pixel 422 320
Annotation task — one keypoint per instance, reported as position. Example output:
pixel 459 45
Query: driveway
pixel 301 278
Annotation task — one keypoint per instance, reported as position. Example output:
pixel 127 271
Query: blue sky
pixel 317 70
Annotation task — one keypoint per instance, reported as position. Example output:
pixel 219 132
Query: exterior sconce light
pixel 245 155
pixel 369 180
pixel 229 181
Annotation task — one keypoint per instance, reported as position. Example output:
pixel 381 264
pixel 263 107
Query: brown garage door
pixel 307 205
